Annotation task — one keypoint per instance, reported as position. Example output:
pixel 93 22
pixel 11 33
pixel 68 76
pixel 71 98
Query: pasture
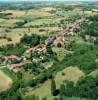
pixel 41 91
pixel 94 73
pixel 70 73
pixel 15 13
pixel 8 25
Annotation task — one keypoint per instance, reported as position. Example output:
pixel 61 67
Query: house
pixel 59 42
pixel 12 59
pixel 16 67
pixel 38 48
pixel 50 40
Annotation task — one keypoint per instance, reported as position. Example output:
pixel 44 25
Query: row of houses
pixel 16 67
pixel 71 28
pixel 16 62
pixel 38 48
pixel 60 41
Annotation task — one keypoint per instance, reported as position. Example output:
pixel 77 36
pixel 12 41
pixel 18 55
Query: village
pixel 48 50
pixel 14 62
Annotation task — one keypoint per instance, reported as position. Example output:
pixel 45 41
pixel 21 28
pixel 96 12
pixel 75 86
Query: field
pixel 54 53
pixel 33 19
pixel 94 73
pixel 5 81
pixel 37 19
pixel 70 73
pixel 15 13
pixel 41 91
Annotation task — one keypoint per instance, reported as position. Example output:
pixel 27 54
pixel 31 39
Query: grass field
pixel 20 15
pixel 5 81
pixel 60 52
pixel 9 73
pixel 70 73
pixel 9 23
pixel 1 20
pixel 42 22
pixel 15 13
pixel 17 33
pixel 94 73
pixel 27 75
pixel 38 12
pixel 42 90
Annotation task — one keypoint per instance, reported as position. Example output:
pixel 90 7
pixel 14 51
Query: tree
pixel 19 75
pixel 53 87
pixel 62 91
pixel 31 98
pixel 49 49
pixel 44 98
pixel 32 40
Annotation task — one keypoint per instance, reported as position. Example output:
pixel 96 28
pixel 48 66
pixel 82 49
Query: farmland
pixel 37 19
pixel 48 50
pixel 7 27
pixel 5 82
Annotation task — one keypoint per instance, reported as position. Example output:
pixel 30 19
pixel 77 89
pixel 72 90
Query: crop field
pixel 7 25
pixel 41 22
pixel 5 81
pixel 37 19
pixel 48 50
pixel 37 13
pixel 15 13
pixel 1 20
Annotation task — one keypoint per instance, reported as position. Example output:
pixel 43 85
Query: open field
pixel 41 91
pixel 15 13
pixel 37 18
pixel 5 81
pixel 60 52
pixel 70 74
pixel 38 13
pixel 55 53
pixel 9 23
pixel 9 73
pixel 43 22
pixel 17 33
pixel 94 73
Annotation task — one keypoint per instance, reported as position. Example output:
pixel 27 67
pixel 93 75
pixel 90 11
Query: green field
pixel 70 74
pixel 9 73
pixel 94 73
pixel 41 17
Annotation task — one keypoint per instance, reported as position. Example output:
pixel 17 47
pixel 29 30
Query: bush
pixel 9 39
pixel 32 40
